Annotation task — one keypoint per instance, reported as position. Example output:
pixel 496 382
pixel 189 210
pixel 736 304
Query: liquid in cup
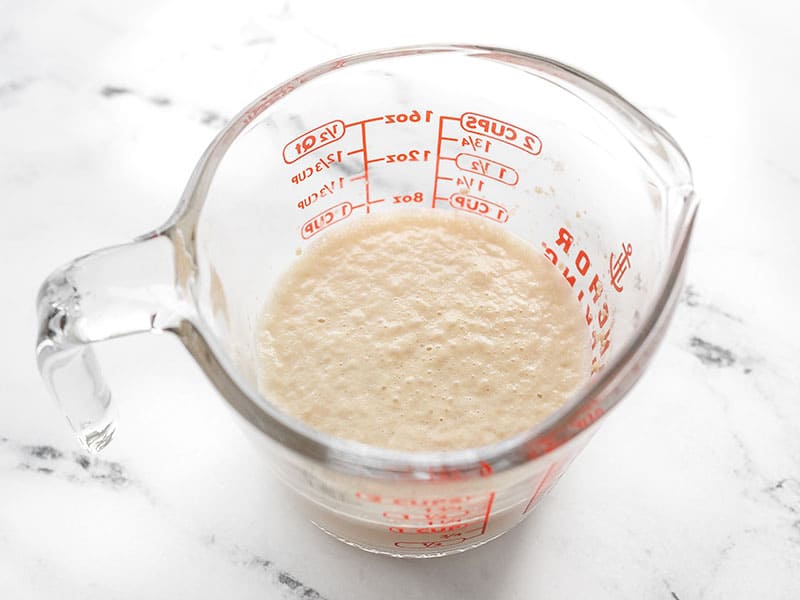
pixel 428 330
pixel 550 154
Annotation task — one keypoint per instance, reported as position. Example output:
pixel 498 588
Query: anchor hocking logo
pixel 617 267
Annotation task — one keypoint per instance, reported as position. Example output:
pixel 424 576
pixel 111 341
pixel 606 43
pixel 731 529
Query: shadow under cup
pixel 550 154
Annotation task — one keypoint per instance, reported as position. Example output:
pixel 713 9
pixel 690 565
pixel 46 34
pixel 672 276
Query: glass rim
pixel 603 391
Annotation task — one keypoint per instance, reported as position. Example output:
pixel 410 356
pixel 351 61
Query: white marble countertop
pixel 690 490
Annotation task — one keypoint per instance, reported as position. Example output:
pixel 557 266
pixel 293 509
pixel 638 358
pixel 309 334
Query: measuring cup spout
pixel 110 293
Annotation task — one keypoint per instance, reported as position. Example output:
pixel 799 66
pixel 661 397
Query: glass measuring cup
pixel 547 152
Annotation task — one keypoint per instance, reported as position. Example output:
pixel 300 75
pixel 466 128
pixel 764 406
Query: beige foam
pixel 425 331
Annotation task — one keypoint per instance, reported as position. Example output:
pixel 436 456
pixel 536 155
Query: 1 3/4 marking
pixel 476 143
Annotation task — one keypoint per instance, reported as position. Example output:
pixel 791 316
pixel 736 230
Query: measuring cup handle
pixel 110 293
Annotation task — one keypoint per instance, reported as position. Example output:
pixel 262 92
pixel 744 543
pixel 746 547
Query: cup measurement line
pixel 472 158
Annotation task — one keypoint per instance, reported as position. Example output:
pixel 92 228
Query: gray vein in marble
pixel 313 34
pixel 77 467
pixel 283 578
pixel 262 39
pixel 210 117
pixel 747 461
pixel 10 87
pixel 110 91
pixel 301 590
pixel 285 12
pixel 691 298
pixel 298 122
pixel 771 372
pixel 206 117
pixel 711 354
pixel 73 466
pixel 160 100
pixel 783 171
pixel 786 493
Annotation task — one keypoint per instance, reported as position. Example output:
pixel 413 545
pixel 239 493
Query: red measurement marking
pixel 409 198
pixel 429 501
pixel 352 152
pixel 449 139
pixel 322 163
pixel 413 155
pixel 372 160
pixel 411 117
pixel 451 529
pixel 542 445
pixel 326 190
pixel 445 473
pixel 442 178
pixel 488 512
pixel 488 168
pixel 438 155
pixel 500 130
pixel 255 111
pixel 312 140
pixel 263 103
pixel 357 177
pixel 476 143
pixel 364 121
pixel 577 269
pixel 325 219
pixel 479 206
pixel 617 268
pixel 540 488
pixel 432 544
pixel 366 161
pixel 588 415
pixel 470 184
pixel 447 158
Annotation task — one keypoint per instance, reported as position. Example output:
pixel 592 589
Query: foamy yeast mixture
pixel 424 331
